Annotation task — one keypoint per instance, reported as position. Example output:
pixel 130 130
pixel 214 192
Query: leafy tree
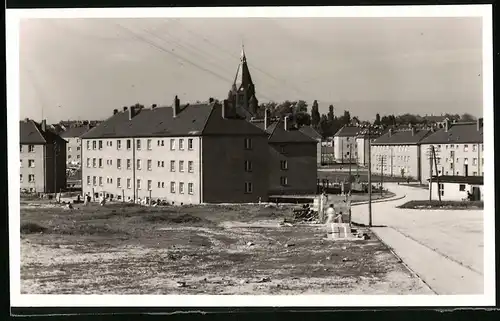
pixel 283 109
pixel 467 117
pixel 331 115
pixel 324 126
pixel 302 119
pixel 315 116
pixel 300 107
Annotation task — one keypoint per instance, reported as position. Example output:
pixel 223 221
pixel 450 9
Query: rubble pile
pixel 305 215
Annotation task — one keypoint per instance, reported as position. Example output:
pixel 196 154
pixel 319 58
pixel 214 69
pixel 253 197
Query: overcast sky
pixel 85 68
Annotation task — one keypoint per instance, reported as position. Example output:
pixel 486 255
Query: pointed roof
pixel 242 77
pixel 31 132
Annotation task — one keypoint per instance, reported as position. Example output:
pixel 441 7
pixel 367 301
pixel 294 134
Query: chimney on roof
pixel 125 108
pixel 210 100
pixel 153 106
pixel 131 112
pixel 176 106
pixel 266 118
pixel 479 123
pixel 413 130
pixel 44 125
pixel 115 111
pixel 286 122
pixel 26 119
pixel 446 125
pixel 390 132
pixel 225 109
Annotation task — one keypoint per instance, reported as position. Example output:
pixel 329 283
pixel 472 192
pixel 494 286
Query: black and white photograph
pixel 251 156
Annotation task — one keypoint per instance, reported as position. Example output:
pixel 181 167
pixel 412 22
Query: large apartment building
pixel 42 158
pixel 458 148
pixel 313 133
pixel 74 145
pixel 292 158
pixel 190 154
pixel 397 153
pixel 344 144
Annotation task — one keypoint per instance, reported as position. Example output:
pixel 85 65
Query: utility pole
pixel 430 172
pixel 436 166
pixel 350 162
pixel 369 179
pixel 392 156
pixel 56 152
pixel 382 159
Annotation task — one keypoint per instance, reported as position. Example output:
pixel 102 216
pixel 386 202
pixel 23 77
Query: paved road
pixel 432 242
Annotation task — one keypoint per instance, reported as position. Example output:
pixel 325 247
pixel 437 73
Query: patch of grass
pixel 443 205
pixel 88 230
pixel 32 228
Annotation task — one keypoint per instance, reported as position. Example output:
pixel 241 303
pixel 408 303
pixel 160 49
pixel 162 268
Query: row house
pixel 344 144
pixel 458 149
pixel 74 146
pixel 190 154
pixel 42 158
pixel 397 153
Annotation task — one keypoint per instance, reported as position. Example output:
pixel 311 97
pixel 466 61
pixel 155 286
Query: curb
pixel 394 198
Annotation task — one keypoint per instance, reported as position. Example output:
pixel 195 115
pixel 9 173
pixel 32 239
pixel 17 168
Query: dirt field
pixel 240 249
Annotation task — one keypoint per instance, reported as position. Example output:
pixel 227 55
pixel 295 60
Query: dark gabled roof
pixel 459 133
pixel 192 120
pixel 348 131
pixel 75 131
pixel 402 137
pixel 311 132
pixel 473 180
pixel 31 133
pixel 278 134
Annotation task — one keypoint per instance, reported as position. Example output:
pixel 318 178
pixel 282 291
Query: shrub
pixel 31 228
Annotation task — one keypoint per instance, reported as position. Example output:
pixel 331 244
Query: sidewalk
pixel 443 275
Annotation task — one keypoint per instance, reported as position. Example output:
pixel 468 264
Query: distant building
pixel 313 133
pixel 72 136
pixel 457 188
pixel 459 150
pixel 190 154
pixel 42 158
pixel 397 153
pixel 344 143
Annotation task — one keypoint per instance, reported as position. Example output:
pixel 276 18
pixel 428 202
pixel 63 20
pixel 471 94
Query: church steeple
pixel 243 88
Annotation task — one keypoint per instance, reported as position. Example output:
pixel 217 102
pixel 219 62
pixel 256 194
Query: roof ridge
pixel 212 106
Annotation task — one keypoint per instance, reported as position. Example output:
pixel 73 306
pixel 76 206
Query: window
pixel 118 144
pixel 282 148
pixel 162 164
pixel 119 163
pixel 94 180
pixel 248 187
pixel 172 144
pixel 248 166
pixel 100 144
pixel 21 178
pixel 129 144
pixel 466 160
pixel 482 161
pixel 77 148
pixel 466 148
pixel 149 144
pixel 190 144
pixel 88 144
pixel 100 162
pixel 172 166
pixel 441 189
pixel 438 160
pixel 94 162
pixel 172 187
pixel 482 147
pixel 158 142
pixel 181 188
pixel 190 188
pixel 474 161
pixel 139 163
pixel 159 184
pixel 150 182
pixel 181 166
pixel 138 183
pixel 119 182
pixel 31 148
pixel 474 147
pixel 94 144
pixel 31 178
pixel 284 165
pixel 138 143
pixel 111 143
pixel 31 163
pixel 69 149
pixel 162 184
pixel 150 164
pixel 100 180
pixel 162 142
pixel 458 160
pixel 248 143
pixel 461 187
pixel 474 173
pixel 190 166
pixel 283 181
pixel 129 163
pixel 181 144
pixel 129 183
pixel 88 180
